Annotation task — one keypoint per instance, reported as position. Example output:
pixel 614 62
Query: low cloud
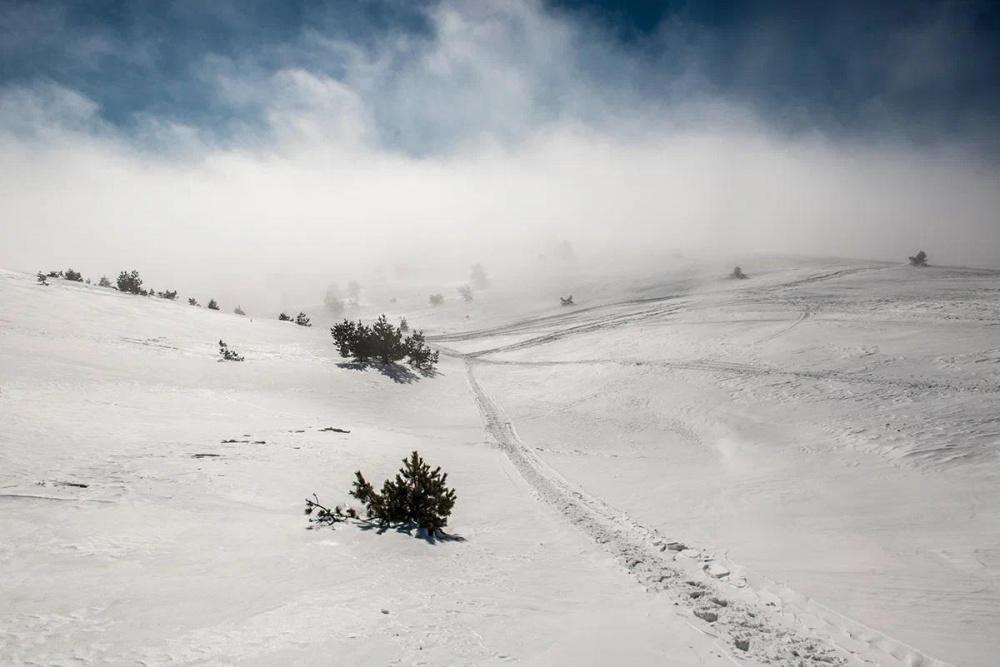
pixel 495 133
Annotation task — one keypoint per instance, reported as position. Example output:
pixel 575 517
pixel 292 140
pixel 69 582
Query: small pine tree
pixel 213 304
pixel 228 354
pixel 418 495
pixel 55 274
pixel 920 259
pixel 170 295
pixel 239 311
pixel 404 326
pixel 284 318
pixel 75 276
pixel 130 282
pixel 419 355
pixel 43 279
pixel 302 320
pixel 104 282
pixel 193 302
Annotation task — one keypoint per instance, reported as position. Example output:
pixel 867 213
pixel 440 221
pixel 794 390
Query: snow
pixel 806 460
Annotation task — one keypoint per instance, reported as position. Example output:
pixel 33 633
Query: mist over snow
pixel 456 131
pixel 683 314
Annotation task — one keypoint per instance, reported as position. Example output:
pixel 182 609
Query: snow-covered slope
pixel 822 438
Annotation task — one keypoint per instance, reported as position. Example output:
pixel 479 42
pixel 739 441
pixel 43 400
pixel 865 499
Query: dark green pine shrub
pixel 129 281
pixel 418 496
pixel 193 302
pixel 284 318
pixel 302 320
pixel 382 342
pixel 75 276
pixel 213 304
pixel 228 354
pixel 43 279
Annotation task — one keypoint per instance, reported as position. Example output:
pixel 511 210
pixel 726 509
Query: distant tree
pixel 564 251
pixel 479 279
pixel 228 354
pixel 55 274
pixel 168 294
pixel 87 281
pixel 129 281
pixel 43 279
pixel 354 292
pixel 382 342
pixel 70 274
pixel 238 311
pixel 436 299
pixel 404 326
pixel 302 320
pixel 465 292
pixel 738 274
pixel 284 318
pixel 213 304
pixel 567 301
pixel 332 300
pixel 193 302
pixel 920 259
pixel 104 282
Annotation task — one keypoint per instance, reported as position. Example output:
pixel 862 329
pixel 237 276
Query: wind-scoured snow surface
pixel 798 468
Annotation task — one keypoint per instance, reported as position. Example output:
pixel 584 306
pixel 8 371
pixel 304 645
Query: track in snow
pixel 780 626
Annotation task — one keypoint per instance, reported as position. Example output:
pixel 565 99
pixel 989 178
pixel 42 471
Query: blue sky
pixel 195 138
pixel 923 72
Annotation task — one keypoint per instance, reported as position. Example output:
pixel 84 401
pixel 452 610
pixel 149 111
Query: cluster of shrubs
pixel 418 496
pixel 478 280
pixel 68 274
pixel 301 319
pixel 384 342
pixel 227 353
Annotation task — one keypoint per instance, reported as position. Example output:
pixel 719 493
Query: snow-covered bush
pixel 284 318
pixel 170 295
pixel 302 320
pixel 43 279
pixel 228 354
pixel 75 276
pixel 213 304
pixel 738 274
pixel 104 282
pixel 920 259
pixel 404 326
pixel 193 302
pixel 382 342
pixel 239 311
pixel 129 281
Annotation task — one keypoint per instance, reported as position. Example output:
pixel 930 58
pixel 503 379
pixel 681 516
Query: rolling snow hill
pixel 806 461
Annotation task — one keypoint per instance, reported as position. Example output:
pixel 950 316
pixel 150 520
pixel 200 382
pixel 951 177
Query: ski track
pixel 782 627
